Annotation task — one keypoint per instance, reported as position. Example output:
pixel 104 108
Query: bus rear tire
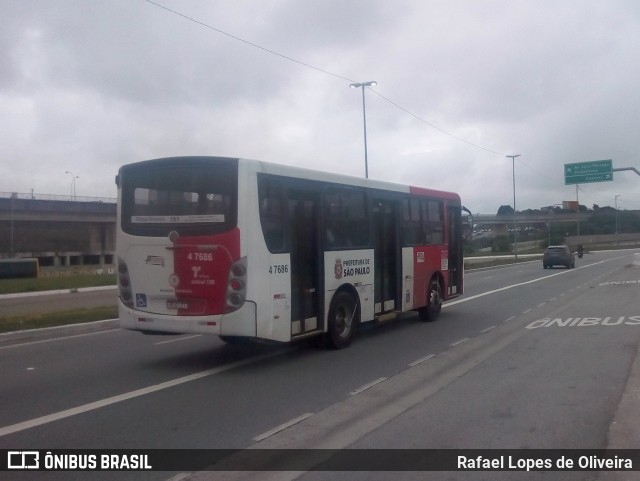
pixel 342 322
pixel 431 311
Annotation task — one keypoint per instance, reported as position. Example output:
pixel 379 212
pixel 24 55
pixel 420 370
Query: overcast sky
pixel 87 86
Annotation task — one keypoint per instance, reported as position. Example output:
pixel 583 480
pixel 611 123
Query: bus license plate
pixel 175 304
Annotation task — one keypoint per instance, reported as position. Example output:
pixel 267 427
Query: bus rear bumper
pixel 238 323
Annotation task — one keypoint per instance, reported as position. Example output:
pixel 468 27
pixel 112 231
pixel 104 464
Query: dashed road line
pixel 367 386
pixel 457 343
pixel 282 427
pixel 421 360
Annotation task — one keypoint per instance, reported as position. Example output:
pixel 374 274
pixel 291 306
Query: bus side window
pixel 345 218
pixel 357 224
pixel 424 228
pixel 412 231
pixel 272 215
pixel 435 223
pixel 332 228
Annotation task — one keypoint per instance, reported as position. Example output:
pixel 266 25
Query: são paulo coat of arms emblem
pixel 338 269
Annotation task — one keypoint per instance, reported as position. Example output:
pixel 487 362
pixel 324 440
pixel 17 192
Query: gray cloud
pixel 88 86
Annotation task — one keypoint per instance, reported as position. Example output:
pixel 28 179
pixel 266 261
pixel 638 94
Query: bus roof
pixel 305 173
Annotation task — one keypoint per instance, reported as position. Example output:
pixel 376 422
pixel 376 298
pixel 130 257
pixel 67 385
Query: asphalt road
pixel 528 358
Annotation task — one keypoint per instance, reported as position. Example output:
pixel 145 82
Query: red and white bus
pixel 247 249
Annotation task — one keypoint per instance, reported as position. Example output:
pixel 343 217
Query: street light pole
pixel 515 230
pixel 616 203
pixel 13 196
pixel 364 118
pixel 73 184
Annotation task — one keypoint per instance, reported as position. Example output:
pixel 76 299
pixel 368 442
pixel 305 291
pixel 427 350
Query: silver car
pixel 558 256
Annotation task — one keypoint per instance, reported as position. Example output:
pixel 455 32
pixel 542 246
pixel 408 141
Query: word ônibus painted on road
pixel 585 321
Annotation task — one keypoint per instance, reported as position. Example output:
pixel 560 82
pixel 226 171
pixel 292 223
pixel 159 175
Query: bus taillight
pixel 237 285
pixel 124 283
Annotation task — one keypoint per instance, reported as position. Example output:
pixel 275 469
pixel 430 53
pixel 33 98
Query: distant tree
pixel 505 210
pixel 531 212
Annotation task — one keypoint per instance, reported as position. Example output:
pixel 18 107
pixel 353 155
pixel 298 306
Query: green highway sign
pixel 587 172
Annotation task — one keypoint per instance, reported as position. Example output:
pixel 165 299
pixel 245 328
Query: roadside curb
pixel 624 430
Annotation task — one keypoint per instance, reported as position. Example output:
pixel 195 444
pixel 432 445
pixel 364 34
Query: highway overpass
pixel 58 230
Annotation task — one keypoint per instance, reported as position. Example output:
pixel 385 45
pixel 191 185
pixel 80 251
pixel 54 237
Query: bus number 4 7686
pixel 279 269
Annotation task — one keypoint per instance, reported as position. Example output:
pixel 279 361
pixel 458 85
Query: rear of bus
pixel 178 247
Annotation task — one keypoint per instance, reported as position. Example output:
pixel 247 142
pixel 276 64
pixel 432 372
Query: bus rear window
pixel 193 199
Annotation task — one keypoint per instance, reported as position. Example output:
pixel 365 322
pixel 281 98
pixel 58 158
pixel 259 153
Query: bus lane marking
pixel 618 283
pixel 584 321
pixel 49 418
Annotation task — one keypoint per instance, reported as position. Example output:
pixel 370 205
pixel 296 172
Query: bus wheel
pixel 431 311
pixel 343 319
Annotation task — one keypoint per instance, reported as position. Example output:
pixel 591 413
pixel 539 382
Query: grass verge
pixel 13 286
pixel 60 318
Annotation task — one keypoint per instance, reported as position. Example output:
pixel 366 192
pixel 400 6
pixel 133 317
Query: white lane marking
pixel 421 360
pixel 510 319
pixel 527 311
pixel 367 386
pixel 457 343
pixel 484 331
pixel 282 427
pixel 44 341
pixel 519 284
pixel 179 339
pixel 49 418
